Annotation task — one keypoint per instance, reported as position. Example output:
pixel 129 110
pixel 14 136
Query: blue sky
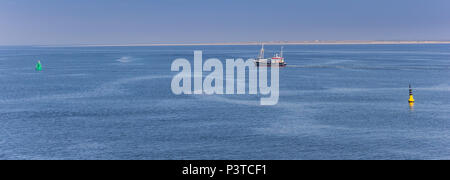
pixel 64 22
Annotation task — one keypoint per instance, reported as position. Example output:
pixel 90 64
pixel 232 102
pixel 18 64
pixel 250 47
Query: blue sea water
pixel 336 102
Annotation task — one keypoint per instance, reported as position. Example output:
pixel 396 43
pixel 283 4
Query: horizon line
pixel 316 42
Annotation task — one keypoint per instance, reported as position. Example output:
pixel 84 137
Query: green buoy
pixel 39 66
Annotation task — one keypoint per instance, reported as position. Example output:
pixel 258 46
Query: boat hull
pixel 269 64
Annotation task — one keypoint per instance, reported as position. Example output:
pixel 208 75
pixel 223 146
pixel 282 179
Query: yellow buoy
pixel 411 96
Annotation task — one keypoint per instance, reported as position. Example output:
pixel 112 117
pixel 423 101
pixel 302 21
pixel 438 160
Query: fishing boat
pixel 277 59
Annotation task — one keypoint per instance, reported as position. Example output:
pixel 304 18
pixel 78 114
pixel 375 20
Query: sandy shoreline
pixel 266 43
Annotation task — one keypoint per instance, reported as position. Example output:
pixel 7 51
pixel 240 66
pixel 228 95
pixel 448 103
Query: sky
pixel 76 22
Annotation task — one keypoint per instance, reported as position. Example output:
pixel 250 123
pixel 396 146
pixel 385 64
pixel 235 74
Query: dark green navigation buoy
pixel 39 66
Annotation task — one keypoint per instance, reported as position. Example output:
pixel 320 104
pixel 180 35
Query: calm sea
pixel 336 102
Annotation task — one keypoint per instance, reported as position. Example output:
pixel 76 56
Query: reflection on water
pixel 411 106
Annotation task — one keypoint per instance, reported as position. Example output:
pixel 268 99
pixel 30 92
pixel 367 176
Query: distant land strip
pixel 270 43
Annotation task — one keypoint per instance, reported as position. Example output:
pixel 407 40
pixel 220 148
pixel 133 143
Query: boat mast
pixel 281 55
pixel 261 53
